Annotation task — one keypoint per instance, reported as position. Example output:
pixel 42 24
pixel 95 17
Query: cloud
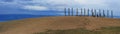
pixel 55 4
pixel 72 3
pixel 41 8
pixel 58 5
pixel 90 2
pixel 66 3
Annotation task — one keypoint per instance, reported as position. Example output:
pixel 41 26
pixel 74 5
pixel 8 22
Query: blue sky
pixel 36 7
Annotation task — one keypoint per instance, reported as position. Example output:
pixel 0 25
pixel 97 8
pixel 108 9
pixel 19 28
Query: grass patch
pixel 110 30
pixel 104 30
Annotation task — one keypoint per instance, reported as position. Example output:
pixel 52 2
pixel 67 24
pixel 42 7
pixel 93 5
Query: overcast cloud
pixel 57 5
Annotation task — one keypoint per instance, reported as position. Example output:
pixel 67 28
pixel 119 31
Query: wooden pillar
pixel 72 12
pixel 103 13
pixel 111 14
pixel 88 12
pixel 95 13
pixel 81 12
pixel 100 13
pixel 65 11
pixel 92 12
pixel 69 12
pixel 77 12
pixel 84 11
pixel 107 13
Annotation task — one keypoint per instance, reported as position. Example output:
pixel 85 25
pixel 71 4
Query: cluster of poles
pixel 88 12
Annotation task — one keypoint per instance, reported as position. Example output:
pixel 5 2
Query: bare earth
pixel 30 26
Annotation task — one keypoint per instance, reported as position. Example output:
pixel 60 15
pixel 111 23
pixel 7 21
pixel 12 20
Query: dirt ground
pixel 32 25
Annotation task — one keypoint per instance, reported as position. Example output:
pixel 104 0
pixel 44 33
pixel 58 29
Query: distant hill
pixel 33 25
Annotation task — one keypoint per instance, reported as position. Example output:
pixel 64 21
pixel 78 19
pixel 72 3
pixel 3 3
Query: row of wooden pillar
pixel 88 12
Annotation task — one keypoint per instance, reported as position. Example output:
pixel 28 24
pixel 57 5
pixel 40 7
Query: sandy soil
pixel 32 25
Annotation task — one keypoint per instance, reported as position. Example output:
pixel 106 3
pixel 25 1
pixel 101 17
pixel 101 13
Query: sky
pixel 38 7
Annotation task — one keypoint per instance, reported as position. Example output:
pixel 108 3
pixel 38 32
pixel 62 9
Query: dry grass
pixel 29 26
pixel 103 30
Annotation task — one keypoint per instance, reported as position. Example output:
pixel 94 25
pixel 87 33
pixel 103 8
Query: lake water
pixel 4 18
